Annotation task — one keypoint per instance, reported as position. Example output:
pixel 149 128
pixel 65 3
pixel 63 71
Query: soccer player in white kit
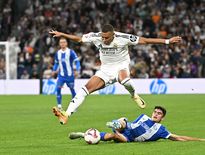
pixel 114 56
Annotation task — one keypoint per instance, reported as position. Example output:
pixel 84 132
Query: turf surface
pixel 27 125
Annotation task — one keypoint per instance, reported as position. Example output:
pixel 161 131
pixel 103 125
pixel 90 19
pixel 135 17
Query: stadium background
pixel 28 21
pixel 27 125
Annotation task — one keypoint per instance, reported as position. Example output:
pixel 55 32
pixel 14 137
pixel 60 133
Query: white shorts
pixel 109 73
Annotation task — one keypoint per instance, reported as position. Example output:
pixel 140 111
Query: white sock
pixel 59 106
pixel 128 84
pixel 77 101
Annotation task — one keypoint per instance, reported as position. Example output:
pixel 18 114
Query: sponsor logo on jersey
pixel 108 50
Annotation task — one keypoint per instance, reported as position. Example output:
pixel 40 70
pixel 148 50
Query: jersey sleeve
pixel 90 37
pixel 165 134
pixel 75 59
pixel 133 39
pixel 73 55
pixel 130 39
pixel 56 63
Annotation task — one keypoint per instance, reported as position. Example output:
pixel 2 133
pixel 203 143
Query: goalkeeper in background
pixel 142 129
pixel 63 66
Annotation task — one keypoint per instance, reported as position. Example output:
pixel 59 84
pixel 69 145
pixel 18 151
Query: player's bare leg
pixel 124 79
pixel 95 83
pixel 76 135
pixel 118 137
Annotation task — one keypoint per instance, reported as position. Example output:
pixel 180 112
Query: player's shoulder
pixel 92 34
pixel 121 35
pixel 127 36
pixel 161 126
pixel 144 116
pixel 70 51
pixel 140 117
pixel 58 51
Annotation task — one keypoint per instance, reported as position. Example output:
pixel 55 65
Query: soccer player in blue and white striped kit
pixel 64 60
pixel 142 129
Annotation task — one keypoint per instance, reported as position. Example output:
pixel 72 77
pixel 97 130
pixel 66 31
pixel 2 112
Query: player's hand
pixel 76 74
pixel 53 74
pixel 176 39
pixel 55 33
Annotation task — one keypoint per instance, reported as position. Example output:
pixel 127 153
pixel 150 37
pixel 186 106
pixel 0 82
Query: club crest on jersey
pixel 133 38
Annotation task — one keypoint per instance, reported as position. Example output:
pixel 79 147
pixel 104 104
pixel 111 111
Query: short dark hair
pixel 63 38
pixel 164 111
pixel 107 28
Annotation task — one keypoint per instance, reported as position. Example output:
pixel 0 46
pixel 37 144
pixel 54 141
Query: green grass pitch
pixel 27 125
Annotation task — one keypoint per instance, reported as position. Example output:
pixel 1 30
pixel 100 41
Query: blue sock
pixel 73 92
pixel 102 135
pixel 59 96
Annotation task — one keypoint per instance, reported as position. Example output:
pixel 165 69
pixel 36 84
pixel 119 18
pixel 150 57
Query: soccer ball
pixel 92 136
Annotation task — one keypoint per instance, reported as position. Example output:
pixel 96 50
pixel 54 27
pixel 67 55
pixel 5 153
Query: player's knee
pixel 109 136
pixel 58 89
pixel 113 136
pixel 125 81
pixel 123 122
pixel 119 138
pixel 89 88
pixel 94 84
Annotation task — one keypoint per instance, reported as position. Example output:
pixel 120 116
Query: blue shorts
pixel 69 81
pixel 128 135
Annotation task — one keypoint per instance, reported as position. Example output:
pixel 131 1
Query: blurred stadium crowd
pixel 28 21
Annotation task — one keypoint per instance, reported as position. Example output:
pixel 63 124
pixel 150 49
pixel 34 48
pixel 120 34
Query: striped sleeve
pixel 165 134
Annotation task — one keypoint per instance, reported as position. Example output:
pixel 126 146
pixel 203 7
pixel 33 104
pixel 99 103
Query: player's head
pixel 158 114
pixel 63 43
pixel 107 34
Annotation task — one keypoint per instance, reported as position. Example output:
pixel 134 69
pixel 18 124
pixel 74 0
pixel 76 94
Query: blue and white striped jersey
pixel 64 62
pixel 145 129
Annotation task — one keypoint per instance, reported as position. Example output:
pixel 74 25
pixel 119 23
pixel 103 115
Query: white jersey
pixel 117 51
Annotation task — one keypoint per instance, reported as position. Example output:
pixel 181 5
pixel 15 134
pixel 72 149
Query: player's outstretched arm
pixel 172 40
pixel 184 138
pixel 69 36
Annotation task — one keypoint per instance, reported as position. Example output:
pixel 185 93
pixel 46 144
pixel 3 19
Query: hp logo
pixel 49 87
pixel 158 87
pixel 107 90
